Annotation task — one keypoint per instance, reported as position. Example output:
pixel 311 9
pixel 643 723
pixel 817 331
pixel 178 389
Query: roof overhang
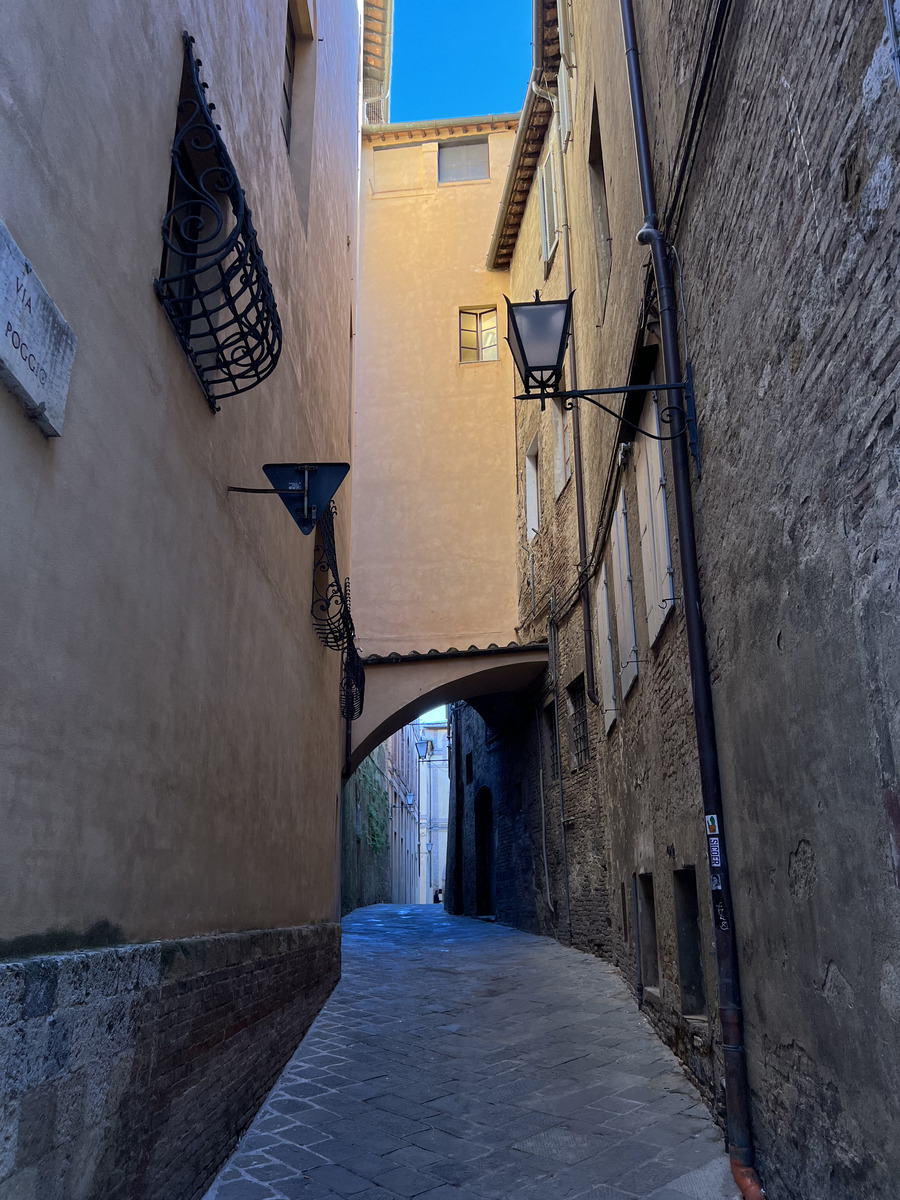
pixel 535 120
pixel 420 131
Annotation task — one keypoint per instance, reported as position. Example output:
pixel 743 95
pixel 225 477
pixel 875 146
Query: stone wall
pixel 777 185
pixel 365 836
pixel 128 1073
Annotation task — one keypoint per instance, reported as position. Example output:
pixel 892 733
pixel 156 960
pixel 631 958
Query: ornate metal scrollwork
pixel 213 282
pixel 332 619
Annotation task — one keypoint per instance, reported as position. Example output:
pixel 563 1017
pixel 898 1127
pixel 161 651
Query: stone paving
pixel 458 1059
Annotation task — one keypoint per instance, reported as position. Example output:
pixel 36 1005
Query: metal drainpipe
pixel 590 680
pixel 737 1098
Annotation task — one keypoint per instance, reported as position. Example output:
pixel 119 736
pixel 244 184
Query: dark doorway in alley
pixel 484 853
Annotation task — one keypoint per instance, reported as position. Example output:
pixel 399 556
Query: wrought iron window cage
pixel 332 619
pixel 213 283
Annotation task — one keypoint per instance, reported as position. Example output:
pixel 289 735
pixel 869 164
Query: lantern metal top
pixel 538 334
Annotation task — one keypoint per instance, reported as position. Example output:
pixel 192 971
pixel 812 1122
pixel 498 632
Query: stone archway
pixel 400 687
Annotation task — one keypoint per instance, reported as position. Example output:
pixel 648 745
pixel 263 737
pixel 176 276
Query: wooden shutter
pixel 656 554
pixel 624 597
pixel 605 650
pixel 547 197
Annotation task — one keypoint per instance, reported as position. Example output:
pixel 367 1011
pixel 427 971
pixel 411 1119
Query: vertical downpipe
pixel 737 1097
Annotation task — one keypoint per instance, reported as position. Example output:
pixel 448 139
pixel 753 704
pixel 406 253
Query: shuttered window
pixel 605 650
pixel 549 204
pixel 623 597
pixel 656 553
pixel 532 490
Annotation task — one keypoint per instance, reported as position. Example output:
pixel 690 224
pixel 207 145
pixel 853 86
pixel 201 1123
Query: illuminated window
pixel 477 335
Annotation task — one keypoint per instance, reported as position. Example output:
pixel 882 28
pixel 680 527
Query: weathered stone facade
pixel 131 1071
pixel 775 142
pixel 365 835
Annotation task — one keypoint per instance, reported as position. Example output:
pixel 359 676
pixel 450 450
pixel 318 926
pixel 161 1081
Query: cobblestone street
pixel 459 1059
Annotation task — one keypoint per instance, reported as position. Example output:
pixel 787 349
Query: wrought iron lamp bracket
pixel 667 415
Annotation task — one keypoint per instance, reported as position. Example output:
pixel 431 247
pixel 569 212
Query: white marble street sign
pixel 36 345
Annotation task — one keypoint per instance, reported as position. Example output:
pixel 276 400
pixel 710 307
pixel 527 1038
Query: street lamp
pixel 539 331
pixel 538 334
pixel 422 749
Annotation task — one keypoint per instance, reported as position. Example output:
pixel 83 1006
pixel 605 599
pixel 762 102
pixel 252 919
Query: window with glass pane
pixel 579 746
pixel 477 335
pixel 287 85
pixel 460 162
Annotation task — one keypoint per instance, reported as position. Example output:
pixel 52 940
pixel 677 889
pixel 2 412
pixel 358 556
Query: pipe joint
pixel 649 232
pixel 747 1180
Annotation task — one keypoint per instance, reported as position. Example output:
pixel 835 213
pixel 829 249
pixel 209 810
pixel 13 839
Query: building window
pixel 477 335
pixel 562 428
pixel 532 490
pixel 623 595
pixel 647 931
pixel 461 162
pixel 579 751
pixel 287 84
pixel 690 949
pixel 549 203
pixel 565 79
pixel 602 240
pixel 656 553
pixel 298 98
pixel 605 651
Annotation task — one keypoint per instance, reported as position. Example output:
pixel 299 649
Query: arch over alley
pixel 399 687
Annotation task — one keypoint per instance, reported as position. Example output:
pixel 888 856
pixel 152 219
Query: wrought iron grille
pixel 332 619
pixel 579 746
pixel 213 282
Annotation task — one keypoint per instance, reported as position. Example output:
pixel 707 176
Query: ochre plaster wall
pixel 171 742
pixel 434 492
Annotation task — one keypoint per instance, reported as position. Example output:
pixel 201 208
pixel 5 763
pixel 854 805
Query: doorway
pixel 484 853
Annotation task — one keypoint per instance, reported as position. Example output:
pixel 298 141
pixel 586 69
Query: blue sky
pixel 459 61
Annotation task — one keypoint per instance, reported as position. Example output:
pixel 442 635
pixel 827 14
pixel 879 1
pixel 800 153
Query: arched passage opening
pixel 401 687
pixel 485 892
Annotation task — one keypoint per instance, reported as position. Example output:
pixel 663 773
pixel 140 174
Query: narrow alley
pixel 458 1058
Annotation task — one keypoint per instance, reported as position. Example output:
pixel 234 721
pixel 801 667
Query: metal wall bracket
pixel 306 489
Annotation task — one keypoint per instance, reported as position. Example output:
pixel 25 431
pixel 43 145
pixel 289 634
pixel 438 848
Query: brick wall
pixel 128 1073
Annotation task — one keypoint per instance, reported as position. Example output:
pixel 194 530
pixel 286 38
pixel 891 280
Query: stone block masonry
pixel 128 1073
